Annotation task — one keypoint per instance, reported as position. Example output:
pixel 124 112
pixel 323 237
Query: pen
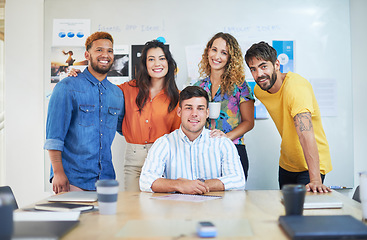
pixel 338 187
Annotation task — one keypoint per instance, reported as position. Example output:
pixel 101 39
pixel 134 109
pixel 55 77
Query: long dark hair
pixel 143 79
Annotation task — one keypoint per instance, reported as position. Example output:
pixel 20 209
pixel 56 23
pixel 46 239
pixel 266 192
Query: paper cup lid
pixel 107 183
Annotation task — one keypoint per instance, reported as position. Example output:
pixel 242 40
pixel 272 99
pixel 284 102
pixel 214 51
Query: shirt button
pixel 101 106
pixel 101 120
pixel 147 121
pixel 146 142
pixel 101 134
pixel 101 93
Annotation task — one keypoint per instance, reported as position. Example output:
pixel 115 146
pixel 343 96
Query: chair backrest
pixel 356 195
pixel 6 190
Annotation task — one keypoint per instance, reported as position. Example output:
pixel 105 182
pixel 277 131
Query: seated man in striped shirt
pixel 188 160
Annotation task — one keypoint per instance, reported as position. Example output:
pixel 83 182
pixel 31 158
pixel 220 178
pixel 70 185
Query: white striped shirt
pixel 174 156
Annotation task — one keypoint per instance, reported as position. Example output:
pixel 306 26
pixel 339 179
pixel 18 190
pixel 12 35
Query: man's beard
pixel 272 81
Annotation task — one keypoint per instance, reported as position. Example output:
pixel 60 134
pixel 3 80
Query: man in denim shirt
pixel 83 116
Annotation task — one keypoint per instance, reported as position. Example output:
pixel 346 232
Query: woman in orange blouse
pixel 150 108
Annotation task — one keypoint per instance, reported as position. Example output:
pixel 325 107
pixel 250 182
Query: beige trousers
pixel 134 160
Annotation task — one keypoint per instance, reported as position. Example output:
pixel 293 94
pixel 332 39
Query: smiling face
pixel 100 58
pixel 218 54
pixel 157 64
pixel 193 112
pixel 264 73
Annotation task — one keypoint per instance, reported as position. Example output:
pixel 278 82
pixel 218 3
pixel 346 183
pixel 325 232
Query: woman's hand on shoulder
pixel 217 133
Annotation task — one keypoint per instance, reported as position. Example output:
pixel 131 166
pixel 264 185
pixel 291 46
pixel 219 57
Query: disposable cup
pixel 107 191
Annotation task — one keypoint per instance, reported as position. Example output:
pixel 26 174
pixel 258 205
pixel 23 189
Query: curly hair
pixel 96 36
pixel 234 73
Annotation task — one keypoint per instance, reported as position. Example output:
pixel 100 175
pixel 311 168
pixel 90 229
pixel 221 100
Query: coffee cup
pixel 214 110
pixel 107 192
pixel 293 198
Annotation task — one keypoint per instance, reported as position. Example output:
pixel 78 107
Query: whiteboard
pixel 320 30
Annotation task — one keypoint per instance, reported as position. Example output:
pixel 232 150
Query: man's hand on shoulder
pixel 192 186
pixel 73 72
pixel 317 186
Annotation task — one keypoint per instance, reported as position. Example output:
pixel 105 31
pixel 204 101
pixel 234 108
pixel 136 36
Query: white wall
pixel 24 95
pixel 24 120
pixel 358 20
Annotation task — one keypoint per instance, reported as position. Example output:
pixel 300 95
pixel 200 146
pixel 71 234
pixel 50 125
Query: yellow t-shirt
pixel 295 96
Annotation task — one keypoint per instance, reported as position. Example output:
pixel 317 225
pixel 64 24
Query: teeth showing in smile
pixel 103 61
pixel 214 61
pixel 158 70
pixel 193 121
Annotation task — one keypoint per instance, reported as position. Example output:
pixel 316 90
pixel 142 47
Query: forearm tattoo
pixel 303 121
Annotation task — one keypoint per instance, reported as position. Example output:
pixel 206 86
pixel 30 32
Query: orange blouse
pixel 154 120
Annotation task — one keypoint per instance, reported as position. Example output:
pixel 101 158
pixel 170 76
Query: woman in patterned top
pixel 222 67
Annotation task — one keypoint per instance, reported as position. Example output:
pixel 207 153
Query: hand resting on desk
pixel 187 186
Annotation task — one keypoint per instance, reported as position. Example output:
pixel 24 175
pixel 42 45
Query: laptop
pixel 313 201
pixel 42 229
pixel 323 227
pixel 83 196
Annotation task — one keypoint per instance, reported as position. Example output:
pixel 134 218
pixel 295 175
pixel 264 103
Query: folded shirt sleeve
pixel 58 117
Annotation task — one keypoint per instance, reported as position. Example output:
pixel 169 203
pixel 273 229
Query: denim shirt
pixel 82 119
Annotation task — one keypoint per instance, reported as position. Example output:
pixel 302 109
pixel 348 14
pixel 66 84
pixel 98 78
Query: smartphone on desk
pixel 206 230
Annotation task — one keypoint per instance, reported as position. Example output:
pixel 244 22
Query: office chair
pixel 356 196
pixel 6 190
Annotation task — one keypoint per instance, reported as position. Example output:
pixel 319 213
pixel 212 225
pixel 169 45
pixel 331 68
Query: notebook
pixel 90 196
pixel 42 229
pixel 63 207
pixel 321 201
pixel 323 227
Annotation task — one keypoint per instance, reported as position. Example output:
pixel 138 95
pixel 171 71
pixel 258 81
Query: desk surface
pixel 259 210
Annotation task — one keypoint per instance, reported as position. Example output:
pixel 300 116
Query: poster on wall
pixel 285 55
pixel 70 32
pixel 193 58
pixel 119 72
pixel 65 58
pixel 135 58
pixel 260 109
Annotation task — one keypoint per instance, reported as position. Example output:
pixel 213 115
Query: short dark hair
pixel 96 36
pixel 193 91
pixel 261 50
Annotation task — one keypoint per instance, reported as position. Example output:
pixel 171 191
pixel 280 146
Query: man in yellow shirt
pixel 291 103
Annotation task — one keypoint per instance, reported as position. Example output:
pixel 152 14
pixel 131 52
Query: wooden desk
pixel 260 209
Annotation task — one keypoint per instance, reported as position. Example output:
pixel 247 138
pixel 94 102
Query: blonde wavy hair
pixel 234 73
